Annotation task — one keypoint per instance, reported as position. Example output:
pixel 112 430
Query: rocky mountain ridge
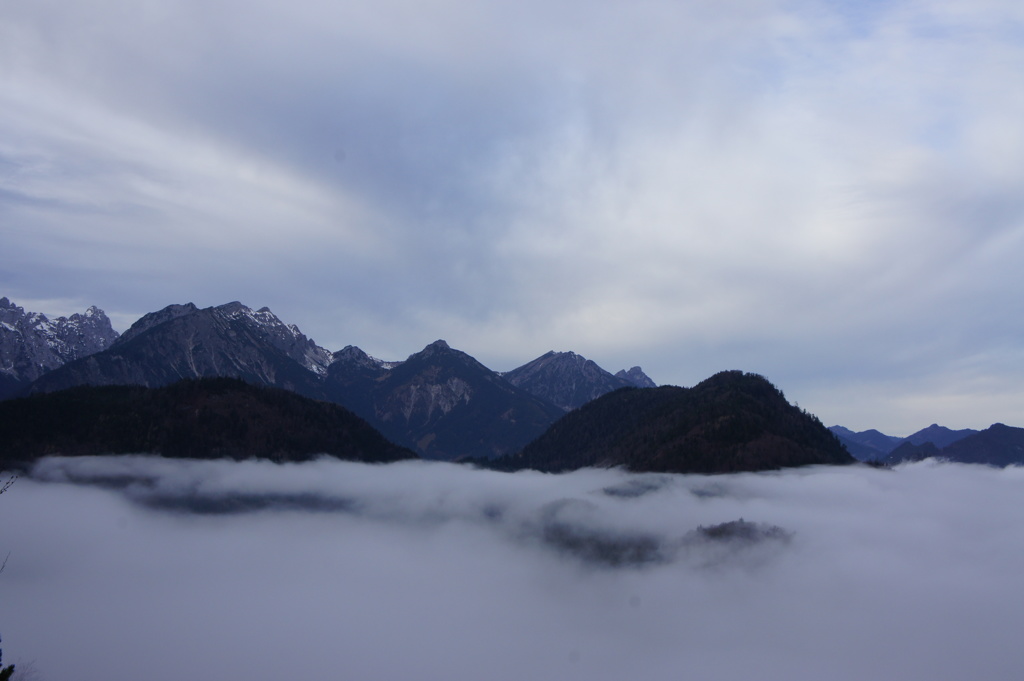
pixel 569 380
pixel 440 402
pixel 31 344
pixel 183 341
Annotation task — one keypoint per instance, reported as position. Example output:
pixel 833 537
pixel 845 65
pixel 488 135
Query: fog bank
pixel 144 568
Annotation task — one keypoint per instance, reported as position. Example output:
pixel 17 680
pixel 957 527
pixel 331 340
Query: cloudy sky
pixel 437 571
pixel 827 192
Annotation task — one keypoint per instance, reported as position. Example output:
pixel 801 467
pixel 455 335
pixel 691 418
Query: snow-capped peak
pixel 286 337
pixel 32 344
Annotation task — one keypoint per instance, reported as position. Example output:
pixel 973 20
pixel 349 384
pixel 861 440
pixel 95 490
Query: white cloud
pixel 438 571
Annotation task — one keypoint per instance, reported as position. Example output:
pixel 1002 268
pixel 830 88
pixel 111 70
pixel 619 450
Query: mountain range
pixel 872 445
pixel 559 410
pixel 997 445
pixel 32 344
pixel 439 402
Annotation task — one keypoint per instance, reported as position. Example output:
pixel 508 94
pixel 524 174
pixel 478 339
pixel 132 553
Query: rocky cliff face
pixel 440 402
pixel 32 344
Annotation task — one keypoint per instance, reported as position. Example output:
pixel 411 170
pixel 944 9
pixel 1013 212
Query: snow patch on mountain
pixel 32 344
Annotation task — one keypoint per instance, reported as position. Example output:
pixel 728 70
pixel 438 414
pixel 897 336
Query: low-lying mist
pixel 128 568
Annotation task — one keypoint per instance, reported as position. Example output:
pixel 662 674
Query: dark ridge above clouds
pixel 730 422
pixel 202 418
pixel 997 445
pixel 872 445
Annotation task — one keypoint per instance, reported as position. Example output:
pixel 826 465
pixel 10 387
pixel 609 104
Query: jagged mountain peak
pixel 350 353
pixel 437 346
pixel 441 402
pixel 262 316
pixel 183 341
pixel 637 377
pixel 439 350
pixel 565 379
pixel 286 337
pixel 351 356
pixel 234 306
pixel 32 344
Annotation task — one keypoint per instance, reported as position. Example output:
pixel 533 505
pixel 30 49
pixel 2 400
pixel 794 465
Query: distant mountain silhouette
pixel 997 445
pixel 908 451
pixel 203 418
pixel 866 445
pixel 871 445
pixel 940 436
pixel 730 422
pixel 565 379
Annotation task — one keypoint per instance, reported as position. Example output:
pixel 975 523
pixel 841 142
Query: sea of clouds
pixel 128 568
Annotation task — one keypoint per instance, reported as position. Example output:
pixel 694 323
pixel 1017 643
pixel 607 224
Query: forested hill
pixel 733 421
pixel 201 418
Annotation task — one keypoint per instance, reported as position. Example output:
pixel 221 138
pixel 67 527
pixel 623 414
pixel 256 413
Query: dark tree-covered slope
pixel 997 445
pixel 203 418
pixel 733 421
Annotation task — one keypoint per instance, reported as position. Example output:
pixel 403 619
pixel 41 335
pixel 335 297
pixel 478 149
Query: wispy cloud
pixel 817 191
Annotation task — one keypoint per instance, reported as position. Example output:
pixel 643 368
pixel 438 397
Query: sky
pixel 826 192
pixel 127 568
